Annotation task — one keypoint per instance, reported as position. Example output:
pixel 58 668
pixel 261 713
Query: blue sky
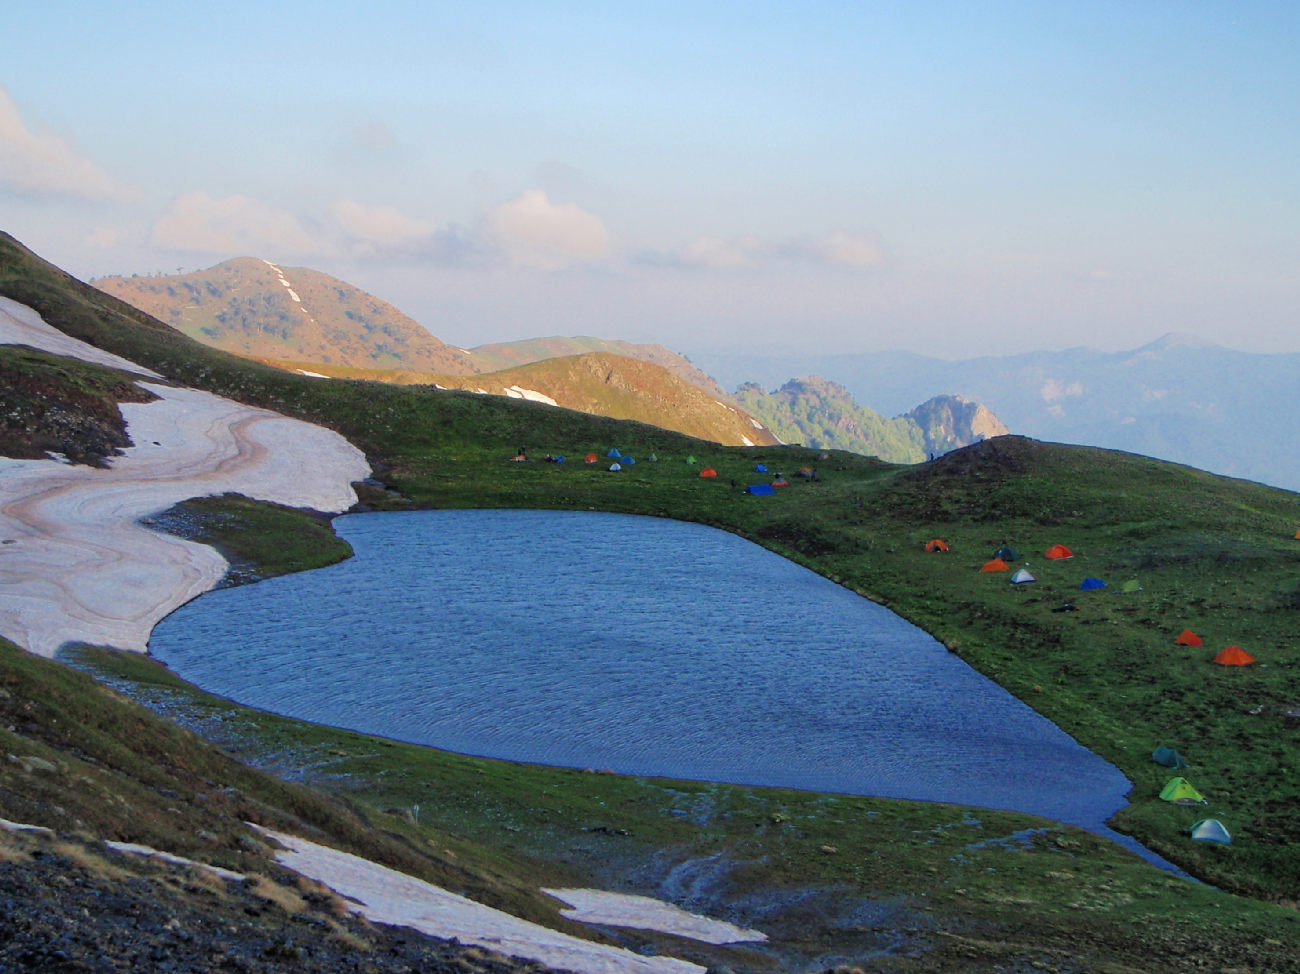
pixel 948 178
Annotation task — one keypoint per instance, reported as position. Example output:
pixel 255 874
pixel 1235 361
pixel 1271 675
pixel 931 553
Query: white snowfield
pixel 75 564
pixel 387 896
pixel 646 913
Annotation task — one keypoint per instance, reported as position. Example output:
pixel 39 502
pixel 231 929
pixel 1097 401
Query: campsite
pixel 924 883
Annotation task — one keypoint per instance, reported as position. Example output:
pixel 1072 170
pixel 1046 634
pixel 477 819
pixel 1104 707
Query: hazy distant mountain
pixel 1229 412
pixel 823 414
pixel 257 309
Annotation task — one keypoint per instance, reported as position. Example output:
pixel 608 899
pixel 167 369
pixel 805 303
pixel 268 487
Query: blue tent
pixel 1092 583
pixel 761 468
pixel 613 452
pixel 760 489
pixel 627 461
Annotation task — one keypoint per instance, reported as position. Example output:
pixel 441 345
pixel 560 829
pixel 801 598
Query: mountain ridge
pixel 1217 409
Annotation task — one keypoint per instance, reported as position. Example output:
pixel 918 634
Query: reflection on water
pixel 642 645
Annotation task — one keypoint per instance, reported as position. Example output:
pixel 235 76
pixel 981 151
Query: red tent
pixel 936 545
pixel 1187 638
pixel 1234 656
pixel 591 458
pixel 708 472
pixel 1059 551
pixel 996 565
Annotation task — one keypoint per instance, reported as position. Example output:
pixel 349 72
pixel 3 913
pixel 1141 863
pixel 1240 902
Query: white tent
pixel 1022 576
pixel 1210 830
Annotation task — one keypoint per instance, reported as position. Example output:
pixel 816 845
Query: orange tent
pixel 1234 656
pixel 1187 638
pixel 996 565
pixel 708 472
pixel 936 545
pixel 591 458
pixel 780 483
pixel 1059 551
pixel 1297 535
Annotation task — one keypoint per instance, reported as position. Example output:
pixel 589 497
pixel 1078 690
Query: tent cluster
pixel 1177 790
pixel 1004 556
pixel 620 461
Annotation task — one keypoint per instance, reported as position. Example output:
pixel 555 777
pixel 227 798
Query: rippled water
pixel 642 645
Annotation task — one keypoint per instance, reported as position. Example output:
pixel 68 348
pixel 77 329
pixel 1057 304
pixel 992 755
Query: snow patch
pixel 746 440
pixel 519 392
pixel 645 913
pixel 86 569
pixel 314 375
pixel 21 325
pixel 143 850
pixel 384 895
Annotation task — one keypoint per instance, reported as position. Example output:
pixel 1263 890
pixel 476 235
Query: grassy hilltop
pixel 1217 555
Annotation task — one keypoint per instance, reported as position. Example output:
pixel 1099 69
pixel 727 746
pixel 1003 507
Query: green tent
pixel 1169 758
pixel 690 459
pixel 1132 585
pixel 1210 830
pixel 1180 791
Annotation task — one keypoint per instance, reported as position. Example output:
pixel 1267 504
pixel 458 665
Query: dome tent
pixel 1180 792
pixel 1210 830
pixel 1169 758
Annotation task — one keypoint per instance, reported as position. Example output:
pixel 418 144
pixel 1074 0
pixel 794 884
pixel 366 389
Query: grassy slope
pixel 1214 554
pixel 598 383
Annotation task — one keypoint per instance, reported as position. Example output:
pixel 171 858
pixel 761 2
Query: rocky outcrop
pixel 951 422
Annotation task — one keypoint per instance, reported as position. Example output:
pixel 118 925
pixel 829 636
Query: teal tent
pixel 1168 757
pixel 1007 554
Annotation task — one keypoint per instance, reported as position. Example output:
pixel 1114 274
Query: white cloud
pixel 378 225
pixel 103 238
pixel 716 252
pixel 232 226
pixel 45 164
pixel 839 248
pixel 844 249
pixel 1053 390
pixel 535 232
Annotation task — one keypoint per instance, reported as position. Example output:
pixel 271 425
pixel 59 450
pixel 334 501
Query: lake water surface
pixel 642 645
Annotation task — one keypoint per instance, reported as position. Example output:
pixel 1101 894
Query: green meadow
pixel 903 886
